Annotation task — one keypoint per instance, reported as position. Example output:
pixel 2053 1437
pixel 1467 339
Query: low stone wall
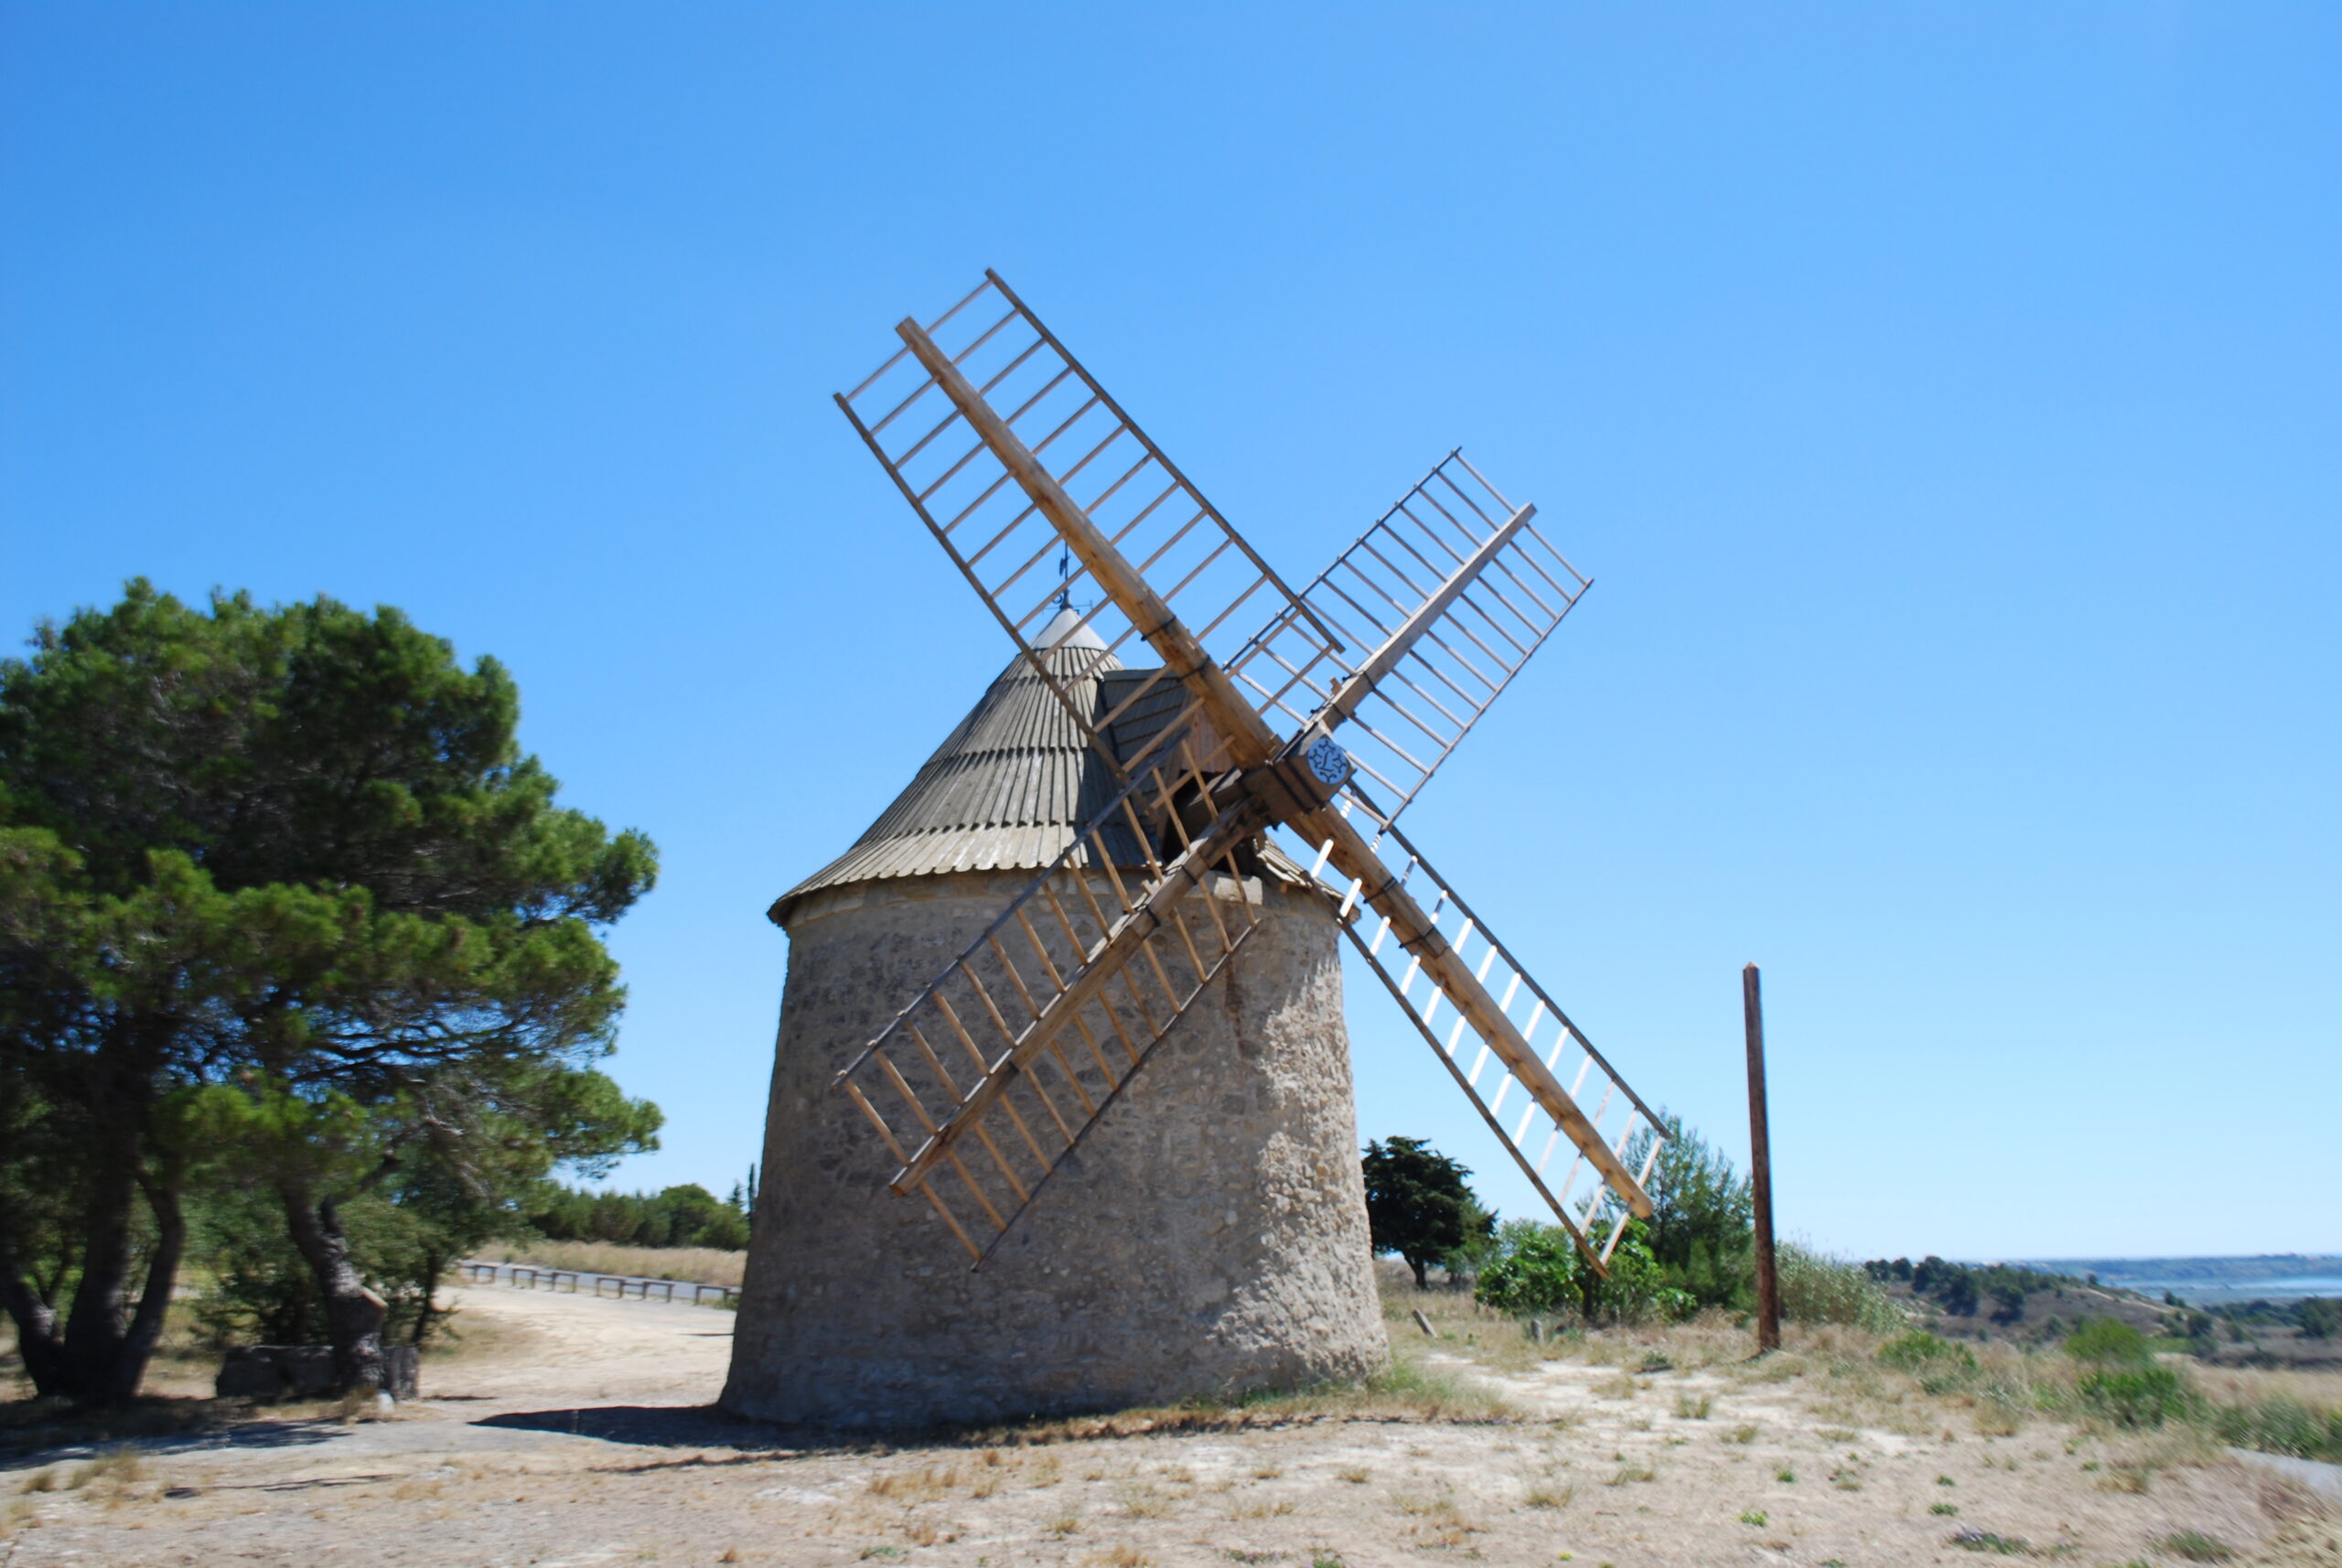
pixel 305 1372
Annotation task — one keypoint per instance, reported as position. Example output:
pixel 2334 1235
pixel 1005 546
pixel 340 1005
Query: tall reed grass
pixel 1818 1288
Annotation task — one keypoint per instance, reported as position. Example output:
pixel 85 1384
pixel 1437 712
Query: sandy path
pixel 569 1437
pixel 581 1348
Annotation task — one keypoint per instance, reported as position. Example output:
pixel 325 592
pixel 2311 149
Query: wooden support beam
pixel 1760 1166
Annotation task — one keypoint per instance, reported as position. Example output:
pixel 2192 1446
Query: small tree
pixel 1701 1230
pixel 2319 1318
pixel 1418 1205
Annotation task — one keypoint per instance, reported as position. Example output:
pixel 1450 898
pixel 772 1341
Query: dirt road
pixel 577 1432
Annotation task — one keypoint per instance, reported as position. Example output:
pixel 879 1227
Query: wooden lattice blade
pixel 986 1082
pixel 1439 606
pixel 987 424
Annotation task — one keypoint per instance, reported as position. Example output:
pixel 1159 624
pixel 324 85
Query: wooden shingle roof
pixel 1008 791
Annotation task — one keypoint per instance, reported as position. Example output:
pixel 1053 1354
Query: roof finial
pixel 1065 583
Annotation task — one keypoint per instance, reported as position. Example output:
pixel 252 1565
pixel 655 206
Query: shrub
pixel 1986 1541
pixel 1700 1229
pixel 1921 1351
pixel 2108 1342
pixel 2138 1396
pixel 2319 1318
pixel 1536 1270
pixel 2282 1425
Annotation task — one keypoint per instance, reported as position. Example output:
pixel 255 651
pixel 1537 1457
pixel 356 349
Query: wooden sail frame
pixel 1228 752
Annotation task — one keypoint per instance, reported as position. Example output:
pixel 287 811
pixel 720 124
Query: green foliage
pixel 2320 1318
pixel 2138 1396
pixel 1701 1231
pixel 2108 1342
pixel 1962 1289
pixel 1919 1351
pixel 2194 1546
pixel 688 1216
pixel 261 1291
pixel 421 1198
pixel 1479 1248
pixel 1417 1204
pixel 2281 1425
pixel 1539 1270
pixel 1536 1270
pixel 1986 1541
pixel 295 854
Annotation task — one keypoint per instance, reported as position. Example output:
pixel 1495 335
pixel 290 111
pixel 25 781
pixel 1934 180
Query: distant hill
pixel 2211 1282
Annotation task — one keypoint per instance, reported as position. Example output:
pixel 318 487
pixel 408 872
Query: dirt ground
pixel 573 1431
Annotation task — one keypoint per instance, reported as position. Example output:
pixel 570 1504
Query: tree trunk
pixel 155 1300
pixel 94 1330
pixel 93 1357
pixel 100 1356
pixel 37 1338
pixel 434 1265
pixel 1422 1267
pixel 354 1315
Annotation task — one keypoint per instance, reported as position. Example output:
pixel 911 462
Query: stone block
pixel 304 1372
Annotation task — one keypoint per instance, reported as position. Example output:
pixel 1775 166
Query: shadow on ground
pixel 32 1447
pixel 651 1426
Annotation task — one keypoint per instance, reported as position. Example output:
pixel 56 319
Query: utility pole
pixel 1760 1164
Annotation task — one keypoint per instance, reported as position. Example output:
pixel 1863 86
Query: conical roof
pixel 1008 789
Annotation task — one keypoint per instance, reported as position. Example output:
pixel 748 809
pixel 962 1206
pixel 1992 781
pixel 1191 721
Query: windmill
pixel 1261 765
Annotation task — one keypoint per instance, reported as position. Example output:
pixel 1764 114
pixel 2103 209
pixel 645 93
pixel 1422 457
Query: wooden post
pixel 1760 1168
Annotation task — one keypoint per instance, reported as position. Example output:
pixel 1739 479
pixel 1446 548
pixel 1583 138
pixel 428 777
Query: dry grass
pixel 1261 1508
pixel 701 1265
pixel 924 1484
pixel 2246 1385
pixel 1545 1494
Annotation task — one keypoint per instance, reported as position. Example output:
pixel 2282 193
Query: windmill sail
pixel 1440 605
pixel 1005 545
pixel 1235 740
pixel 1481 1063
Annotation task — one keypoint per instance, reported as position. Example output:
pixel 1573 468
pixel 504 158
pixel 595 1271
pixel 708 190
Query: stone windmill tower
pixel 1078 988
pixel 1215 1234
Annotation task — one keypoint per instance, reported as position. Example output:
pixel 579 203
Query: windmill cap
pixel 1066 629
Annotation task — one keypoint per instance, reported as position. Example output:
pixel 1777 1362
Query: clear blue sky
pixel 1947 401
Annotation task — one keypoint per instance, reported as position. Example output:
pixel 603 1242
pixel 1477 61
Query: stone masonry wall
pixel 1209 1238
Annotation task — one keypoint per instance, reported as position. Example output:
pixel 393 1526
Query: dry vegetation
pixel 1625 1446
pixel 700 1265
